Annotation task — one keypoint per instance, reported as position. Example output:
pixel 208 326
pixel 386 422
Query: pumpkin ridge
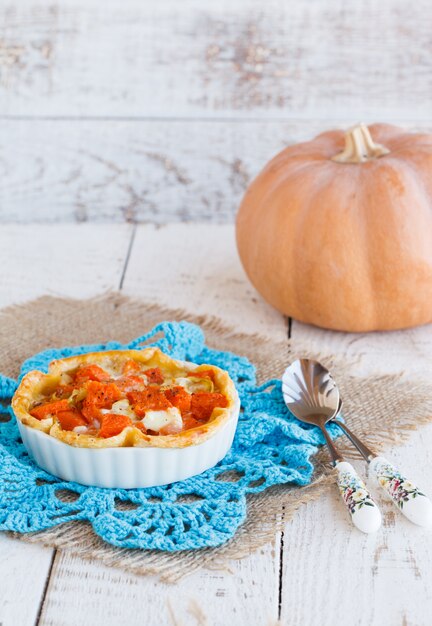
pixel 368 319
pixel 248 253
pixel 306 213
pixel 384 300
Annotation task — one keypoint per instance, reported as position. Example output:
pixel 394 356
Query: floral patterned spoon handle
pixel 365 514
pixel 405 495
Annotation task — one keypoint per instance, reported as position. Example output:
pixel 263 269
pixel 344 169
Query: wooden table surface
pixel 129 132
pixel 321 570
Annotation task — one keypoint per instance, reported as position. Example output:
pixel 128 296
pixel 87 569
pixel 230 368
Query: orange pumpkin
pixel 337 231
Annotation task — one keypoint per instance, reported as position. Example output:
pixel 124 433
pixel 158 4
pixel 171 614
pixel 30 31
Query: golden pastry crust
pixel 36 385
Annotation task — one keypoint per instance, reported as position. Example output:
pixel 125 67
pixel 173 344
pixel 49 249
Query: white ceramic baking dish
pixel 128 467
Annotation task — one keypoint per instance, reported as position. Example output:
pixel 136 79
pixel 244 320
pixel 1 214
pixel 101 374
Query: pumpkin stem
pixel 359 146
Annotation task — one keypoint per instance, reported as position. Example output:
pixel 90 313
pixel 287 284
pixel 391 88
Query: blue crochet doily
pixel 270 447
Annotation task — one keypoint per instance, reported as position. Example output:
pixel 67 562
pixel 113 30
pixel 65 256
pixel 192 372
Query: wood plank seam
pixel 233 59
pixel 128 254
pixel 281 563
pixel 282 535
pixel 45 589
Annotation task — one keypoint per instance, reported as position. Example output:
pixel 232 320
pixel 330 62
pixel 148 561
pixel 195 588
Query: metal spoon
pixel 311 395
pixel 404 494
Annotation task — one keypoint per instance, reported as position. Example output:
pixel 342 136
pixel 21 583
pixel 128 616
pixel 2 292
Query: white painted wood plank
pixel 226 58
pixel 75 260
pixel 196 267
pixel 110 597
pixel 333 575
pixel 127 171
pixel 22 567
pixel 173 265
pixel 147 171
pixel 65 260
pixel 395 351
pixel 345 576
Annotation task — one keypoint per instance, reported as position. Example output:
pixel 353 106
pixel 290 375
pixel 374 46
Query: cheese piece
pixel 155 420
pixel 121 407
pixel 65 379
pixel 194 383
pixel 80 429
pixel 114 372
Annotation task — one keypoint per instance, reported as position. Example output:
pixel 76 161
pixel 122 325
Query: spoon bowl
pixel 310 392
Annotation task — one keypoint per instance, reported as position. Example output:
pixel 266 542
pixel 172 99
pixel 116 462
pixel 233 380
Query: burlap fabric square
pixel 380 408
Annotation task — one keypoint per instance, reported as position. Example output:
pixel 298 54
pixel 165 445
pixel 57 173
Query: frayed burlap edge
pixel 380 408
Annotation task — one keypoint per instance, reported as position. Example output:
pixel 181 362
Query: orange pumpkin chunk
pixel 90 372
pixel 130 367
pixel 99 396
pixel 149 399
pixel 154 375
pixel 112 424
pixel 129 383
pixel 203 403
pixel 70 419
pixel 190 422
pixel 64 391
pixel 141 427
pixel 50 408
pixel 179 397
